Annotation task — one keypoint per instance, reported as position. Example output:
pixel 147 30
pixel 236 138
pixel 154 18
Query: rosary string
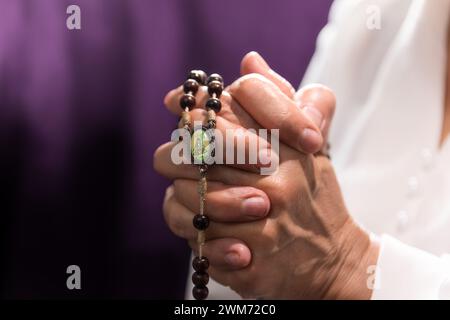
pixel 202 189
pixel 202 152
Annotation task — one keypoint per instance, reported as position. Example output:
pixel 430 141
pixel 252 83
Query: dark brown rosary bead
pixel 215 77
pixel 200 292
pixel 200 278
pixel 215 87
pixel 187 101
pixel 214 104
pixel 200 264
pixel 190 86
pixel 198 75
pixel 200 222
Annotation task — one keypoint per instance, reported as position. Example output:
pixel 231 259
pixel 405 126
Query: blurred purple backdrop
pixel 81 114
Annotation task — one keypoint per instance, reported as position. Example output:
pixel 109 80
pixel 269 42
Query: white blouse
pixel 386 62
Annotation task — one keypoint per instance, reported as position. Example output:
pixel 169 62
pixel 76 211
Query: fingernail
pixel 232 258
pixel 260 61
pixel 310 140
pixel 254 207
pixel 314 114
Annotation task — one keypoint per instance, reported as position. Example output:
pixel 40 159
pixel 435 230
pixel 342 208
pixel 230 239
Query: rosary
pixel 202 153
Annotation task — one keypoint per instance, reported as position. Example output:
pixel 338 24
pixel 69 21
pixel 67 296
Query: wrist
pixel 355 270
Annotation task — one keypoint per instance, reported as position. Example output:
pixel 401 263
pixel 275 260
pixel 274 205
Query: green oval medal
pixel 202 146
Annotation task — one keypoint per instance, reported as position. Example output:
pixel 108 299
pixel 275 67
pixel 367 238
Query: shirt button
pixel 402 220
pixel 427 159
pixel 413 186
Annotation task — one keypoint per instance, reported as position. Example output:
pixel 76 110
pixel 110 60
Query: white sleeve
pixel 405 272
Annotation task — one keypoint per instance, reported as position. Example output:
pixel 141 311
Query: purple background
pixel 81 114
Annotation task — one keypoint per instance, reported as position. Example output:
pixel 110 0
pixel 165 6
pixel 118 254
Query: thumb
pixel 254 63
pixel 318 103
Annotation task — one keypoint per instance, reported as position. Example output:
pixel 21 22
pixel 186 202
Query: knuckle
pixel 170 100
pixel 271 233
pixel 248 82
pixel 178 184
pixel 284 117
pixel 167 208
pixel 158 159
pixel 174 220
pixel 276 186
pixel 322 92
pixel 181 229
pixel 197 114
pixel 169 192
pixel 330 99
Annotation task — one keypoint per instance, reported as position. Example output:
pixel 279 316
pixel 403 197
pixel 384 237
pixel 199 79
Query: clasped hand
pixel 287 235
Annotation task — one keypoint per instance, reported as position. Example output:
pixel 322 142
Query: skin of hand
pixel 307 247
pixel 230 203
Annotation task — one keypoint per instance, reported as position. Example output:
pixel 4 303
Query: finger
pixel 172 99
pixel 272 109
pixel 234 145
pixel 254 63
pixel 238 146
pixel 178 218
pixel 242 281
pixel 163 164
pixel 224 203
pixel 225 254
pixel 230 110
pixel 318 102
